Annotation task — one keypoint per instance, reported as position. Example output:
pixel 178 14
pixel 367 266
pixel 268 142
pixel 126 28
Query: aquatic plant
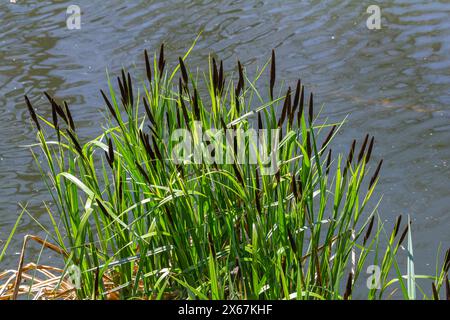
pixel 138 222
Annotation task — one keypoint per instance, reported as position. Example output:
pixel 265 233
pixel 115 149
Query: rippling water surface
pixel 393 83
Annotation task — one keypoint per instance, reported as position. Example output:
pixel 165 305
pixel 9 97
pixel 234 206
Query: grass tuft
pixel 139 223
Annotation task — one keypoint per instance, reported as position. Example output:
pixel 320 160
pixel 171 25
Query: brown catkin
pixel 272 74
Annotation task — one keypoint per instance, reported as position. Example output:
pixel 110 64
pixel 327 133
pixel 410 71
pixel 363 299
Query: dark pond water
pixel 393 83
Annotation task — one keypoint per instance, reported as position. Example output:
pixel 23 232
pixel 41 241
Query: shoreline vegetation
pixel 131 222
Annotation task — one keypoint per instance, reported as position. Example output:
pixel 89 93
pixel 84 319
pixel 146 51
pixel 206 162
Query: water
pixel 393 83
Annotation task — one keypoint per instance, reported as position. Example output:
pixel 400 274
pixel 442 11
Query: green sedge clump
pixel 144 212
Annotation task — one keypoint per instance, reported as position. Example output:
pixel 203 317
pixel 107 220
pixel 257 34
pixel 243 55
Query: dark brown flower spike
pixel 110 150
pixel 397 226
pixel 298 90
pixel 286 108
pixel 195 105
pixel 435 293
pixel 154 133
pixel 293 185
pixel 238 105
pixel 351 152
pixel 110 153
pixel 182 105
pixel 125 87
pixel 328 138
pixel 369 151
pixel 260 123
pixel 32 113
pixel 148 69
pixel 184 73
pixel 311 107
pixel 403 236
pixel 75 143
pixel 363 148
pixel 257 202
pixel 156 149
pixel 148 111
pixel 257 192
pixel 169 216
pixel 300 188
pixel 240 85
pixel 369 230
pixel 294 188
pixel 162 61
pixel 110 107
pixel 348 287
pixel 146 142
pixel 142 171
pixel 220 78
pixel 69 116
pixel 130 91
pixel 272 74
pixel 55 117
pixel 308 145
pixel 257 179
pixel 301 103
pixel 375 176
pixel 103 209
pixel 215 75
pixel 57 107
pixel 296 101
pixel 348 163
pixel 289 104
pixel 292 241
pixel 327 170
pixel 122 92
pixel 120 189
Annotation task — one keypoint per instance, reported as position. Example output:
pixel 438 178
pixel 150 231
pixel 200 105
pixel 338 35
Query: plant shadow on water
pixel 135 218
